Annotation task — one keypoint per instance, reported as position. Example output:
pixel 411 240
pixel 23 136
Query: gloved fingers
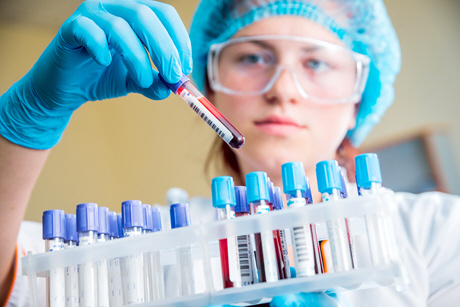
pixel 153 34
pixel 122 38
pixel 83 32
pixel 172 22
pixel 157 91
pixel 305 299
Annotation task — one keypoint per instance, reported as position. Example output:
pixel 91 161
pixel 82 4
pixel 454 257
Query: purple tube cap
pixel 53 222
pixel 104 220
pixel 87 217
pixel 174 86
pixel 71 228
pixel 132 214
pixel 113 224
pixel 180 215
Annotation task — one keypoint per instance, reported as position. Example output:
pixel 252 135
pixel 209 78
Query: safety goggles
pixel 320 70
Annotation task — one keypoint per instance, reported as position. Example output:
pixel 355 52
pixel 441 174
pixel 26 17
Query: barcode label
pixel 244 259
pixel 207 116
pixel 303 251
pixel 285 253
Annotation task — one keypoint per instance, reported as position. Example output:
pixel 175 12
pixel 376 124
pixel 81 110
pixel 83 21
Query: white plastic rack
pixel 391 274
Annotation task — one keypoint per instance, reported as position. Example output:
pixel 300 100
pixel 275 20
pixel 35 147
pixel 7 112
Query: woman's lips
pixel 277 125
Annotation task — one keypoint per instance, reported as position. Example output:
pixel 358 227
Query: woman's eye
pixel 316 65
pixel 254 59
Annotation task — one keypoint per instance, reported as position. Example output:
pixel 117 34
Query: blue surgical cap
pixel 363 25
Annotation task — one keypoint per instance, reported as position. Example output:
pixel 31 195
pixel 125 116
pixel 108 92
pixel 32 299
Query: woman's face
pixel 281 126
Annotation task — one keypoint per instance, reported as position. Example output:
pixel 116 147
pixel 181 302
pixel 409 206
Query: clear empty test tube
pixel 206 111
pixel 87 228
pixel 115 293
pixel 283 269
pixel 330 186
pixel 258 198
pixel 153 270
pixel 303 240
pixel 180 217
pixel 245 258
pixel 223 200
pixel 132 266
pixel 102 265
pixel 53 222
pixel 278 205
pixel 71 272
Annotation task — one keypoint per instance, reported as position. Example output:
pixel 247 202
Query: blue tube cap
pixel 103 220
pixel 180 215
pixel 174 86
pixel 241 199
pixel 87 217
pixel 293 174
pixel 278 204
pixel 328 176
pixel 223 192
pixel 113 224
pixel 53 222
pixel 156 220
pixel 71 228
pixel 257 187
pixel 120 226
pixel 132 214
pixel 367 170
pixel 148 221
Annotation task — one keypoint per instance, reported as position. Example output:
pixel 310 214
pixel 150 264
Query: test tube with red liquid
pixel 206 110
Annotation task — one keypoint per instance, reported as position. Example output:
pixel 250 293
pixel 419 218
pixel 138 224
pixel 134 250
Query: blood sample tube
pixel 330 187
pixel 223 200
pixel 53 222
pixel 87 228
pixel 278 205
pixel 247 264
pixel 115 292
pixel 277 236
pixel 258 198
pixel 71 272
pixel 206 110
pixel 351 243
pixel 180 217
pixel 102 265
pixel 132 266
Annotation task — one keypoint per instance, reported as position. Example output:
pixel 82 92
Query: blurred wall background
pixel 134 148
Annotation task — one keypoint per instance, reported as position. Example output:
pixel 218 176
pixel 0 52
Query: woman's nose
pixel 284 88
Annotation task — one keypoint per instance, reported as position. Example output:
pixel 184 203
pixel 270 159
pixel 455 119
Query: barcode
pixel 243 255
pixel 300 244
pixel 207 120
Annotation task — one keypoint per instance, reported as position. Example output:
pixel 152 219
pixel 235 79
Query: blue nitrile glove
pixel 318 299
pixel 97 54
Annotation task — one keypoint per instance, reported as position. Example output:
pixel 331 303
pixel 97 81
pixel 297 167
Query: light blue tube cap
pixel 367 170
pixel 328 176
pixel 293 174
pixel 257 187
pixel 223 192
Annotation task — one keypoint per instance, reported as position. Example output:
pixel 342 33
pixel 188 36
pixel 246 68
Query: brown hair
pixel 228 163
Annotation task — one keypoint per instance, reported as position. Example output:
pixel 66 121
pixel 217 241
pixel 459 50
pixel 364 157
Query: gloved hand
pixel 318 299
pixel 97 54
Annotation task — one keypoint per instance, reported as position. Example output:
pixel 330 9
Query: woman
pixel 297 95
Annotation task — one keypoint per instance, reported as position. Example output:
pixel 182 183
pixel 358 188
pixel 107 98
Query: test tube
pixel 369 181
pixel 102 265
pixel 120 226
pixel 330 186
pixel 295 187
pixel 258 198
pixel 87 228
pixel 53 222
pixel 223 200
pixel 277 235
pixel 71 272
pixel 351 243
pixel 206 111
pixel 278 205
pixel 180 217
pixel 148 274
pixel 115 293
pixel 247 266
pixel 132 271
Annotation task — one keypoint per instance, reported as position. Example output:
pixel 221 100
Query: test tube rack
pixel 391 274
